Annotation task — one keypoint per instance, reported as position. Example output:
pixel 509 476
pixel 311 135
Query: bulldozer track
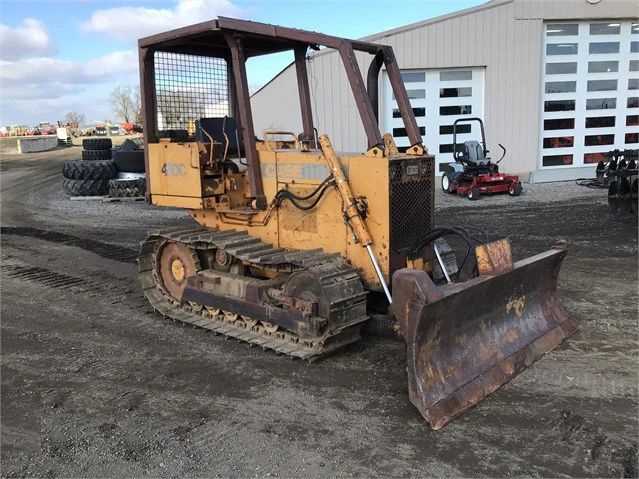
pixel 331 268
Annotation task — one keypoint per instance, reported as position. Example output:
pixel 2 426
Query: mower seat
pixel 473 153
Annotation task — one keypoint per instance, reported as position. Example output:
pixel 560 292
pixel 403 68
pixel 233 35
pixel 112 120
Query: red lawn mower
pixel 473 174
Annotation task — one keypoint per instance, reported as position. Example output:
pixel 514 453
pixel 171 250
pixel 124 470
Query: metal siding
pixel 277 105
pixel 510 51
pixel 575 9
pixel 509 48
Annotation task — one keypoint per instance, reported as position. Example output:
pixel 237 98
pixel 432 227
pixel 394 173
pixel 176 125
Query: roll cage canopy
pixel 237 40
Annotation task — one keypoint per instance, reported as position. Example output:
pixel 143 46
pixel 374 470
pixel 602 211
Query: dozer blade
pixel 465 340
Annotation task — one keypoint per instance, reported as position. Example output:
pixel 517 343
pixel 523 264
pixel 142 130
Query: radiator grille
pixel 411 201
pixel 187 88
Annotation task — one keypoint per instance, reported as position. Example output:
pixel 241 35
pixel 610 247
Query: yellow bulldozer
pixel 296 246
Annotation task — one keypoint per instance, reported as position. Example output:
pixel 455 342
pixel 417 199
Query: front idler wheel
pixel 473 194
pixel 176 263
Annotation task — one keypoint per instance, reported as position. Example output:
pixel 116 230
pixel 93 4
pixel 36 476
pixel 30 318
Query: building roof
pixel 394 31
pixel 441 18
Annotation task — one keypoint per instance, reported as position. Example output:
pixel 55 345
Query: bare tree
pixel 137 101
pixel 74 118
pixel 123 102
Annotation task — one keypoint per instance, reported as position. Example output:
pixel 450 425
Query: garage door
pixel 438 98
pixel 590 87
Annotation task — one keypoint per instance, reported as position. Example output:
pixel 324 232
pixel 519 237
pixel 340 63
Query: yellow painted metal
pixel 418 263
pixel 288 227
pixel 349 203
pixel 178 202
pixel 177 269
pixel 494 258
pixel 390 147
pixel 174 169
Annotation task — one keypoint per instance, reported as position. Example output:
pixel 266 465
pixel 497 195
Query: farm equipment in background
pixel 620 175
pixel 617 173
pixel 473 173
pixel 295 246
pixel 130 128
pixel 66 131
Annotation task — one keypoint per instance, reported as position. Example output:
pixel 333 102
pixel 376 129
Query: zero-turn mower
pixel 295 246
pixel 473 173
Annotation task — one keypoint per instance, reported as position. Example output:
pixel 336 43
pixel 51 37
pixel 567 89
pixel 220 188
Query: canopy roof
pixel 208 38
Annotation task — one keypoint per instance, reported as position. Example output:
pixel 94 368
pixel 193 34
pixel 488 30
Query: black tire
pixel 515 190
pixel 94 155
pixel 127 188
pixel 89 170
pixel 128 145
pixel 473 194
pixel 97 144
pixel 86 187
pixel 446 183
pixel 129 161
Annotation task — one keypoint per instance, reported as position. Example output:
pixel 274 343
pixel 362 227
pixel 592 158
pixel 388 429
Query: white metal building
pixel 556 82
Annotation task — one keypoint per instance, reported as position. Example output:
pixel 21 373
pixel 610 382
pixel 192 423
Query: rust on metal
pixel 147 96
pixel 401 96
pixel 390 148
pixel 176 263
pixel 465 340
pixel 372 81
pixel 304 92
pixel 246 39
pixel 366 113
pixel 238 58
pixel 494 258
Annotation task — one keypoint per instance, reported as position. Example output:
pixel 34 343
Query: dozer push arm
pixel 352 213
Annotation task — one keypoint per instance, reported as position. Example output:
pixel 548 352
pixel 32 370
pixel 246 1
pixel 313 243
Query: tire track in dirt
pixel 105 250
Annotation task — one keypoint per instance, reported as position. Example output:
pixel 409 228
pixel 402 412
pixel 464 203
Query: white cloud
pixel 36 85
pixel 43 70
pixel 30 39
pixel 51 86
pixel 131 23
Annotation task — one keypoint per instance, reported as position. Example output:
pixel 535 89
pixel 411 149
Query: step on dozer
pixel 294 244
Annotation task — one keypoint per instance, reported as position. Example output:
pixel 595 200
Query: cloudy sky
pixel 58 56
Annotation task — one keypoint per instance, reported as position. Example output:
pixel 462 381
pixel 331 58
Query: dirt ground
pixel 95 384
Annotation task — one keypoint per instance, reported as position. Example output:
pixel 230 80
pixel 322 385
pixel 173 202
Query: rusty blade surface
pixel 465 340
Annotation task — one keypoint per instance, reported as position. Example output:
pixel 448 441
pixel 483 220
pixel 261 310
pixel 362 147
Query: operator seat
pixel 216 127
pixel 473 153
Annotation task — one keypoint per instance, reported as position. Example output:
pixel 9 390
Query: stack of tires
pixel 131 179
pixel 90 176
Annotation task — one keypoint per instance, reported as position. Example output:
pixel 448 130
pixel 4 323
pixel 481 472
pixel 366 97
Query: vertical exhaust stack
pixel 466 340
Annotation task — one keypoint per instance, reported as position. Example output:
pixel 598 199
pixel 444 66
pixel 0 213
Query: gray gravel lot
pixel 95 384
